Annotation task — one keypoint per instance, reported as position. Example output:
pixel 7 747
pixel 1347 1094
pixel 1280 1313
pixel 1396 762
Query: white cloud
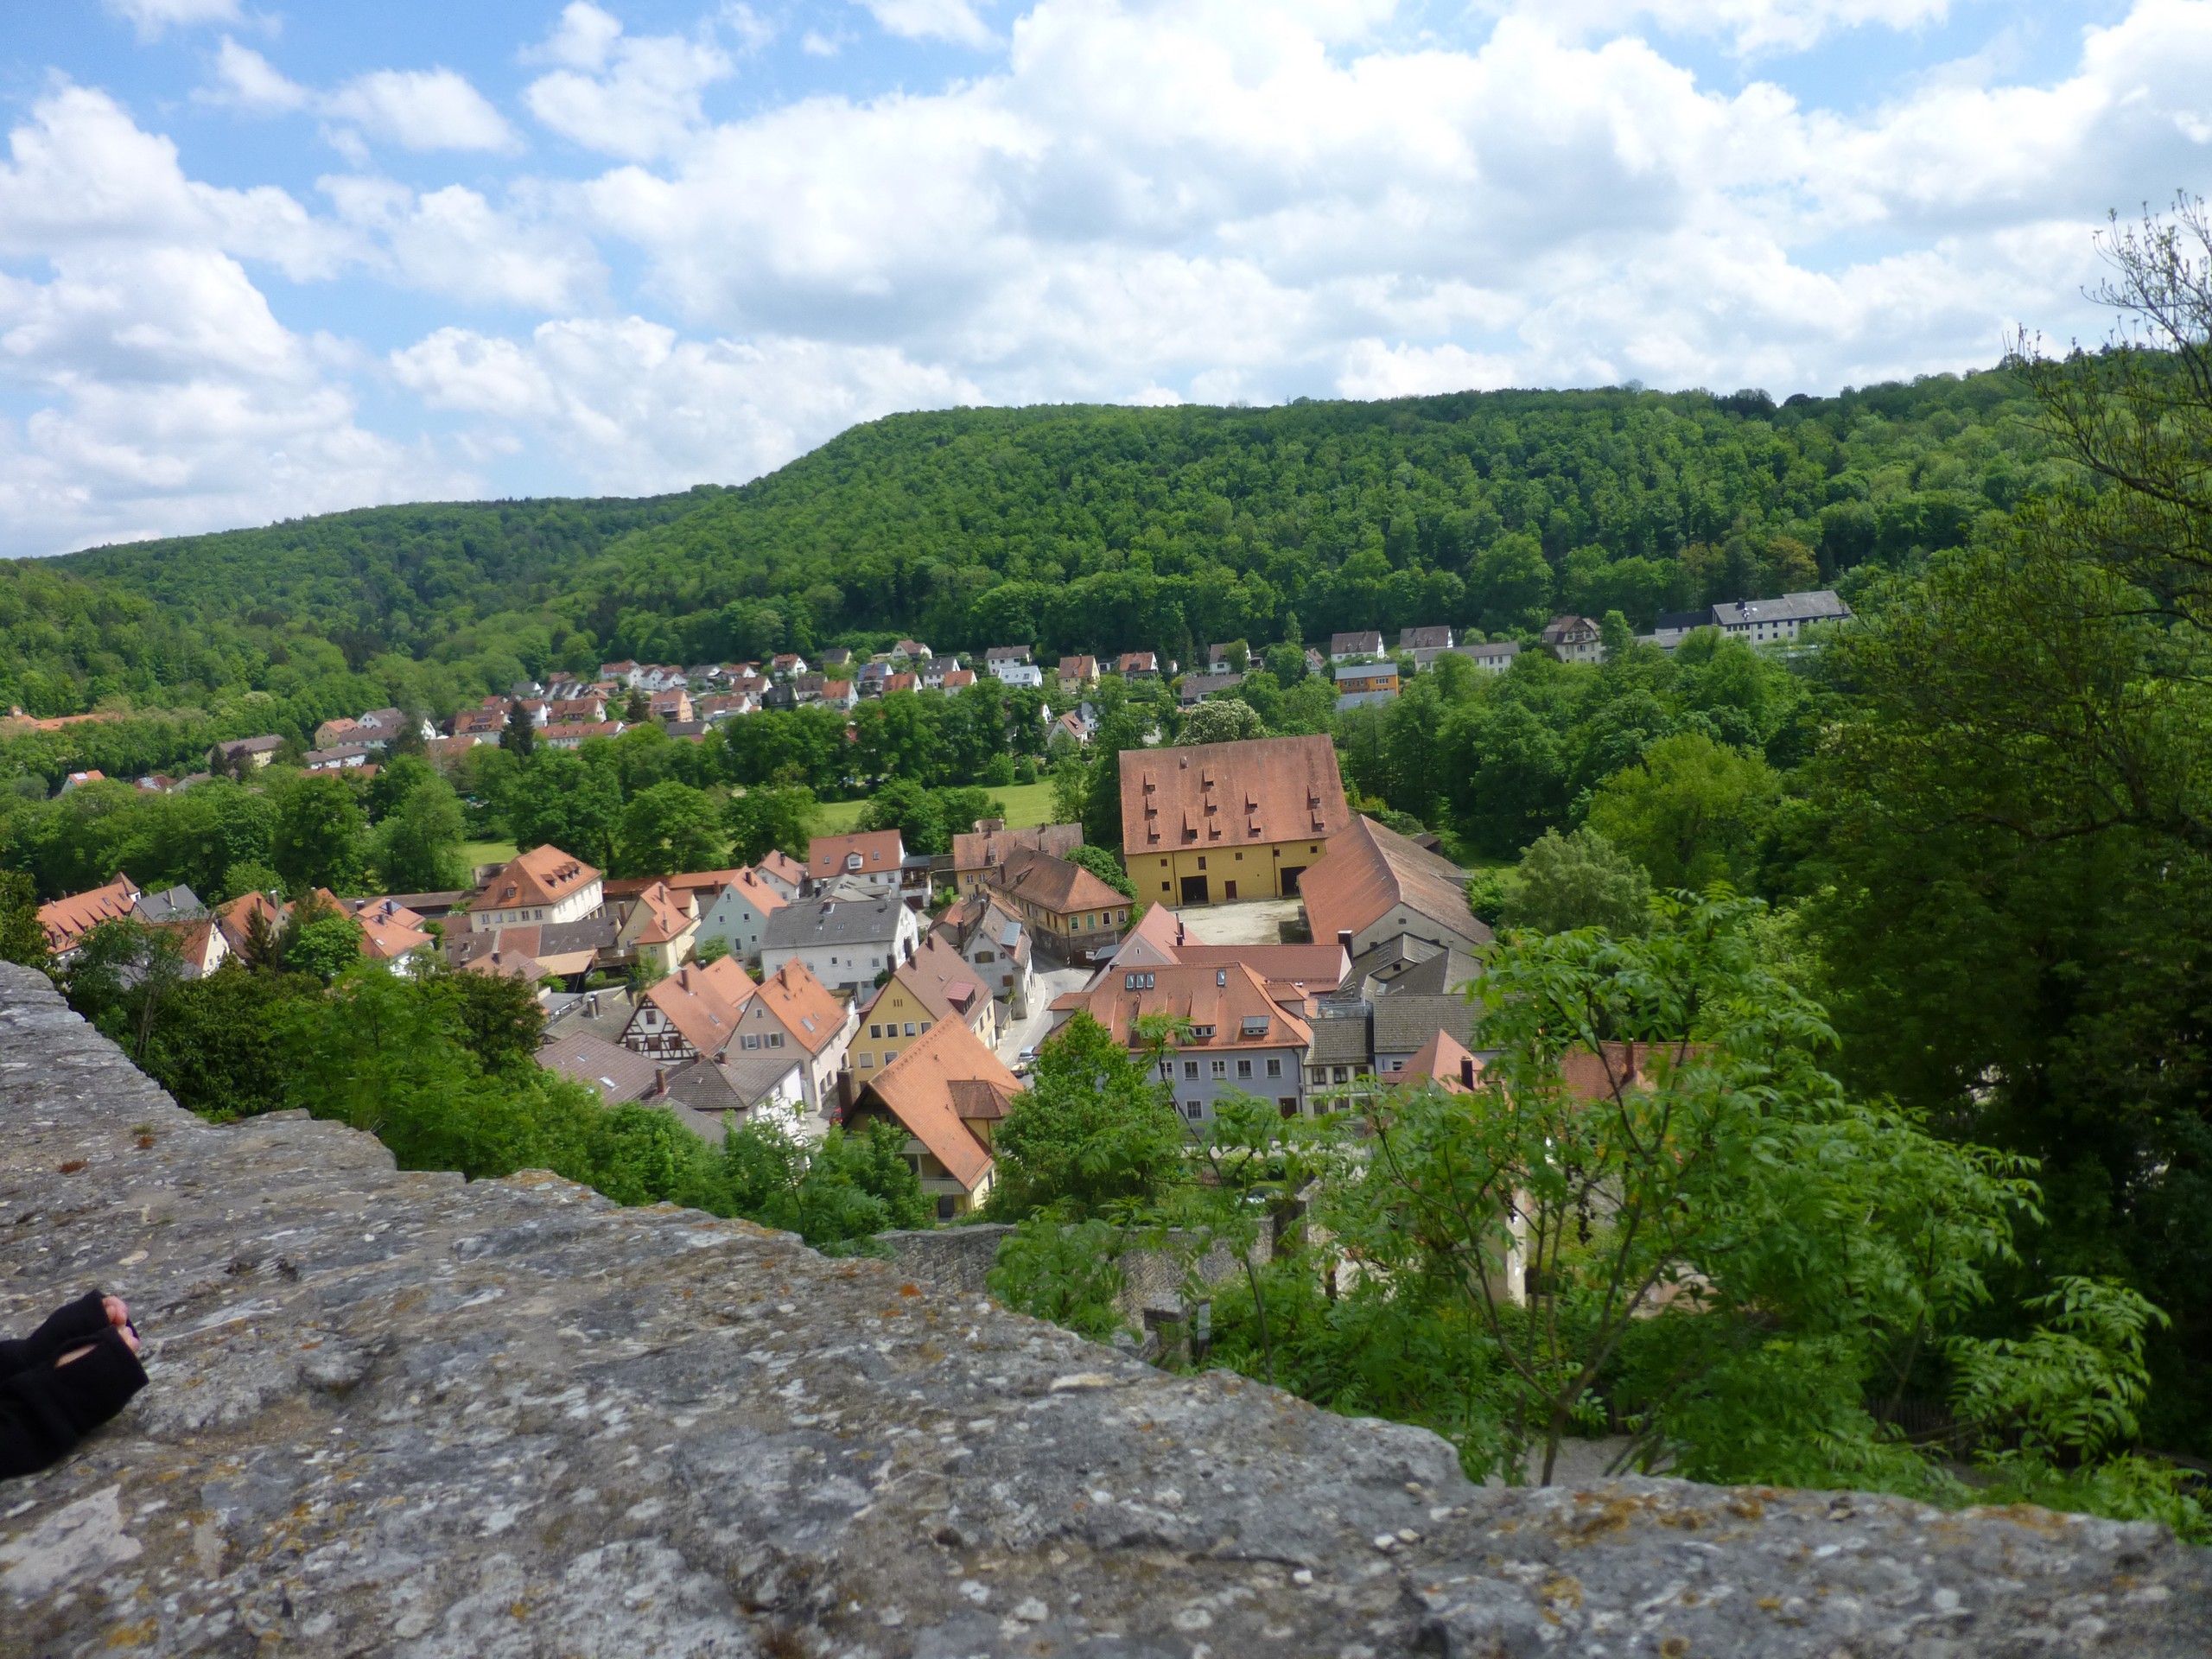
pixel 631 96
pixel 453 241
pixel 169 396
pixel 152 17
pixel 1750 26
pixel 421 110
pixel 629 406
pixel 930 20
pixel 249 81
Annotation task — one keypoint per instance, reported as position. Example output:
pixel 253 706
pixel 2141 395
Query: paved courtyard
pixel 1257 922
pixel 1030 1033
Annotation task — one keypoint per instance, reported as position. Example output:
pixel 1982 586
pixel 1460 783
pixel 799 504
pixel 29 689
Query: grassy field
pixel 487 851
pixel 1025 804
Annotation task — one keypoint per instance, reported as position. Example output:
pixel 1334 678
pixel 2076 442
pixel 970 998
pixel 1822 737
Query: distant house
pixel 202 947
pixel 899 682
pixel 937 985
pixel 787 665
pixel 1072 725
pixel 380 727
pixel 948 1092
pixel 1221 659
pixel 1239 1039
pixel 67 921
pixel 1077 672
pixel 958 679
pixel 991 938
pixel 1137 665
pixel 1361 683
pixel 1375 884
pixel 806 688
pixel 488 720
pixel 542 885
pixel 1494 658
pixel 739 911
pixel 845 934
pixel 79 780
pixel 249 751
pixel 1194 688
pixel 1216 823
pixel 659 927
pixel 587 709
pixel 624 672
pixel 837 657
pixel 343 757
pixel 996 654
pixel 718 1012
pixel 1758 621
pixel 976 854
pixel 1574 640
pixel 1071 913
pixel 912 652
pixel 1343 647
pixel 1431 638
pixel 389 930
pixel 783 873
pixel 569 737
pixel 871 857
pixel 333 731
pixel 617 1074
pixel 839 694
pixel 535 950
pixel 670 705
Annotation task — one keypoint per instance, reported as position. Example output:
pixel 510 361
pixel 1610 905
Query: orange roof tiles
pixel 878 850
pixel 984 848
pixel 1262 789
pixel 1227 1004
pixel 808 1010
pixel 1370 868
pixel 1444 1060
pixel 666 918
pixel 544 876
pixel 925 1088
pixel 1053 884
pixel 702 1016
pixel 66 920
pixel 389 930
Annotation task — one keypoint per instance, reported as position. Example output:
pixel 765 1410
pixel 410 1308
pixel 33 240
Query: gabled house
pixel 1375 884
pixel 846 935
pixel 1137 665
pixel 659 927
pixel 937 985
pixel 1194 688
pixel 566 951
pixel 489 720
pixel 343 757
pixel 977 853
pixel 871 857
pixel 1360 684
pixel 1343 647
pixel 958 679
pixel 1077 674
pixel 542 885
pixel 1219 822
pixel 569 737
pixel 911 653
pixel 948 1092
pixel 786 664
pixel 255 752
pixel 67 921
pixel 1071 913
pixel 201 947
pixel 1574 640
pixel 839 694
pixel 389 930
pixel 1221 659
pixel 1239 1038
pixel 738 914
pixel 672 705
pixel 1493 659
pixel 783 873
pixel 587 709
pixel 1432 639
pixel 992 938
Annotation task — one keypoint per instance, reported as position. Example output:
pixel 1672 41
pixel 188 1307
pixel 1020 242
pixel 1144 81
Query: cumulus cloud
pixel 632 97
pixel 630 406
pixel 1749 27
pixel 246 80
pixel 170 397
pixel 454 241
pixel 930 20
pixel 421 110
pixel 152 17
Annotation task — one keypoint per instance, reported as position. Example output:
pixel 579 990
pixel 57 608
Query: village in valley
pixel 1299 949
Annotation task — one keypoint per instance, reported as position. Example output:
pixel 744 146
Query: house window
pixel 1343 1075
pixel 1221 1068
pixel 1202 860
pixel 1193 1109
pixel 1275 1068
pixel 926 1025
pixel 868 1062
pixel 775 1039
pixel 875 1031
pixel 1244 1068
pixel 1163 887
pixel 910 1029
pixel 1163 863
pixel 1191 1069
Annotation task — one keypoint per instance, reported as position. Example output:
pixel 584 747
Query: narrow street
pixel 1029 1034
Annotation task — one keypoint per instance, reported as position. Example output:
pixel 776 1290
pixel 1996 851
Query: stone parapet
pixel 402 1413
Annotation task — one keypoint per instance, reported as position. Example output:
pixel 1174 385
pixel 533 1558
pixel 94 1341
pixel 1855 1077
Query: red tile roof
pixel 980 847
pixel 544 876
pixel 879 850
pixel 1053 884
pixel 1444 1060
pixel 1371 867
pixel 1227 999
pixel 1262 789
pixel 66 920
pixel 945 1069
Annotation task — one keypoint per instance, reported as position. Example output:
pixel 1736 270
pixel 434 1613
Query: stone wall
pixel 398 1413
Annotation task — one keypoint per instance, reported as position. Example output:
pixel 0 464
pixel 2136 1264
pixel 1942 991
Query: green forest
pixel 1937 893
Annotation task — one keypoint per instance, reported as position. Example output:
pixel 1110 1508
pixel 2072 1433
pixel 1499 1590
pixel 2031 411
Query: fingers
pixel 130 1338
pixel 118 1311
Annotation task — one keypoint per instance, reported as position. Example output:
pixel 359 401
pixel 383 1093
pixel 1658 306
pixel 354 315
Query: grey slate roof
pixel 1341 1041
pixel 1819 605
pixel 1433 976
pixel 834 918
pixel 617 1074
pixel 175 904
pixel 1404 1023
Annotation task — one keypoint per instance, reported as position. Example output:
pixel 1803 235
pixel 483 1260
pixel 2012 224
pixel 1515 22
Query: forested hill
pixel 1080 527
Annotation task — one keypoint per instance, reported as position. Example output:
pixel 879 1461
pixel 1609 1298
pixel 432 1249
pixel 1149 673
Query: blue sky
pixel 256 262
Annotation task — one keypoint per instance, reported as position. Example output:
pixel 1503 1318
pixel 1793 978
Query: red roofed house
pixel 1071 913
pixel 1241 1039
pixel 975 856
pixel 872 857
pixel 782 872
pixel 389 930
pixel 1376 884
pixel 67 921
pixel 935 986
pixel 958 679
pixel 738 915
pixel 1220 821
pixel 710 1011
pixel 542 885
pixel 948 1092
pixel 660 926
pixel 201 944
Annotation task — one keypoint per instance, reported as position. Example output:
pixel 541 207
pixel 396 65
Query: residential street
pixel 1025 1033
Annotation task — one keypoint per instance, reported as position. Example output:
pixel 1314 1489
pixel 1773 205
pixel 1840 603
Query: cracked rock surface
pixel 400 1413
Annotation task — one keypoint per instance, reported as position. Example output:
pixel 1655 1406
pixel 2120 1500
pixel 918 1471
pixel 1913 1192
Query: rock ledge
pixel 400 1413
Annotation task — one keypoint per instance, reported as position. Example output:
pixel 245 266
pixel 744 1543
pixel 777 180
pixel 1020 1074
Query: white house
pixel 738 914
pixel 542 885
pixel 845 935
pixel 1017 674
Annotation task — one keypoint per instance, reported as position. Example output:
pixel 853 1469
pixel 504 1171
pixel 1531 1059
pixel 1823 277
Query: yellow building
pixel 1224 822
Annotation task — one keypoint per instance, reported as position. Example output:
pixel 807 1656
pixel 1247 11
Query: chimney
pixel 683 977
pixel 1467 1070
pixel 660 1079
pixel 1344 939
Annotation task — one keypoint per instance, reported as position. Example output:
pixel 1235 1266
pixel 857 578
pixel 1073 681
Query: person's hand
pixel 130 1337
pixel 118 1311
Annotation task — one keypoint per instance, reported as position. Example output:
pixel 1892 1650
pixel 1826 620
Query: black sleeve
pixel 45 1412
pixel 79 1322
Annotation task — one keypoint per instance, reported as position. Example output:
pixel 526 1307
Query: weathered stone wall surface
pixel 399 1415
